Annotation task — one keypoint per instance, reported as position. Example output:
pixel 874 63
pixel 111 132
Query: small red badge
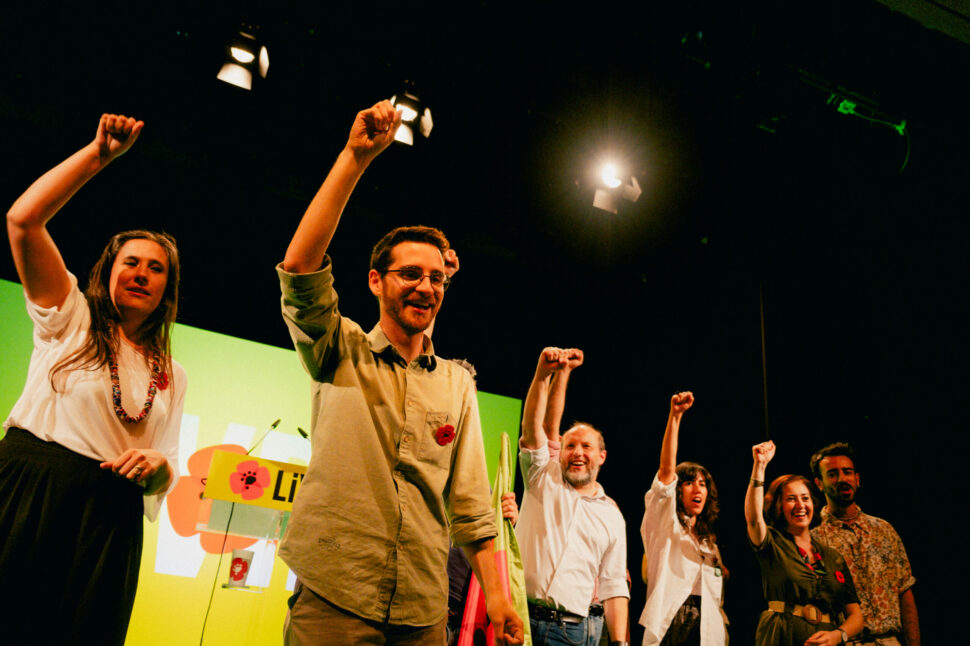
pixel 238 569
pixel 163 381
pixel 445 434
pixel 840 576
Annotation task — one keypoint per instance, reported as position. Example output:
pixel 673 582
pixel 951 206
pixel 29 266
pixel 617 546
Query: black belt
pixel 543 613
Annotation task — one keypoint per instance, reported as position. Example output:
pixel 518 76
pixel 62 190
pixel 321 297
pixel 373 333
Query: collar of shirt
pixel 857 523
pixel 598 495
pixel 379 344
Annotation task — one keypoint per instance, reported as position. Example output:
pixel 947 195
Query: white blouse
pixel 80 415
pixel 678 566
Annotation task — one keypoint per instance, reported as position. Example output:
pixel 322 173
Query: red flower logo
pixel 840 576
pixel 249 480
pixel 187 509
pixel 238 569
pixel 445 434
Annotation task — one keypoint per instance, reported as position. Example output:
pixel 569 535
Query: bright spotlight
pixel 411 108
pixel 408 114
pixel 236 74
pixel 244 56
pixel 609 176
pixel 613 190
pixel 241 65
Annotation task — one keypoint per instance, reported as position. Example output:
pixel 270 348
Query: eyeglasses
pixel 412 276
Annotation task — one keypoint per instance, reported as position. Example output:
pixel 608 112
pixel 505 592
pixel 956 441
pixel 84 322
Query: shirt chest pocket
pixel 437 440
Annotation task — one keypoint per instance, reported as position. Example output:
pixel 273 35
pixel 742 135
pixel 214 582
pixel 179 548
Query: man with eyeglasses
pixel 398 462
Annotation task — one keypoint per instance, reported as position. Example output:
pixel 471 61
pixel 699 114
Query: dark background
pixel 752 184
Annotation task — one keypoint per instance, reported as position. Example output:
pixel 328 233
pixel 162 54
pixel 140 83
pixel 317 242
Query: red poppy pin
pixel 163 381
pixel 840 576
pixel 445 434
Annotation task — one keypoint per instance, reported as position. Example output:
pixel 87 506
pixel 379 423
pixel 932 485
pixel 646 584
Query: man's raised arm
pixel 372 132
pixel 534 410
pixel 557 393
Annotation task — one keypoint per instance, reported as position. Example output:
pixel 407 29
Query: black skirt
pixel 70 545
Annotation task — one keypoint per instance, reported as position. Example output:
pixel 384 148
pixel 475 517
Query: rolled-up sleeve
pixel 612 575
pixel 532 462
pixel 659 510
pixel 469 501
pixel 309 304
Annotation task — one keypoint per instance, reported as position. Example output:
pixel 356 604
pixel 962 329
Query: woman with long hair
pixel 810 595
pixel 686 574
pixel 92 443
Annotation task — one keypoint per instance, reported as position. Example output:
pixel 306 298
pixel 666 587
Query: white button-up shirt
pixel 678 566
pixel 568 540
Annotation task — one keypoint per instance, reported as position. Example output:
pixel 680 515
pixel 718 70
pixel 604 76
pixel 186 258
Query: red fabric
pixel 474 621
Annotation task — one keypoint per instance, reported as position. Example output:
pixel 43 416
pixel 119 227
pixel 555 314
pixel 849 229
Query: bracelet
pixel 757 483
pixel 619 643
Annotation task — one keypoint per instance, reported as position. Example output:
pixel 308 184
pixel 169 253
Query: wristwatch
pixel 845 636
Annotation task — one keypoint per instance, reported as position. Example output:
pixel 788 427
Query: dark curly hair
pixel 687 472
pixel 773 499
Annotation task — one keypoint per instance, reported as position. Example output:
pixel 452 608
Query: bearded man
pixel 569 531
pixel 397 466
pixel 871 548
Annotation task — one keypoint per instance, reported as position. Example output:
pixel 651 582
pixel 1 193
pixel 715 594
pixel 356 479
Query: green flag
pixel 508 561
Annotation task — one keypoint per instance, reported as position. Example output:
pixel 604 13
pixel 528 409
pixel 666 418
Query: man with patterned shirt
pixel 872 549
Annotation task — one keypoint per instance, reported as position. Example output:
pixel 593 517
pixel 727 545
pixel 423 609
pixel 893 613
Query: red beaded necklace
pixel 116 388
pixel 813 561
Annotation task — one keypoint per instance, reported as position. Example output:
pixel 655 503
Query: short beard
pixel 396 311
pixel 843 499
pixel 579 480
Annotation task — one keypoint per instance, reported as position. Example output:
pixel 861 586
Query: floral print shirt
pixel 878 563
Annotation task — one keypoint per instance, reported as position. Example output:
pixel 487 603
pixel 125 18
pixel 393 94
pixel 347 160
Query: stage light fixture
pixel 612 189
pixel 413 114
pixel 246 58
pixel 609 176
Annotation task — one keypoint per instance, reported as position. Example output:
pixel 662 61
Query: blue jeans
pixel 549 633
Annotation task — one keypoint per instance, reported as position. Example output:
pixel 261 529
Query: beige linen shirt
pixel 385 484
